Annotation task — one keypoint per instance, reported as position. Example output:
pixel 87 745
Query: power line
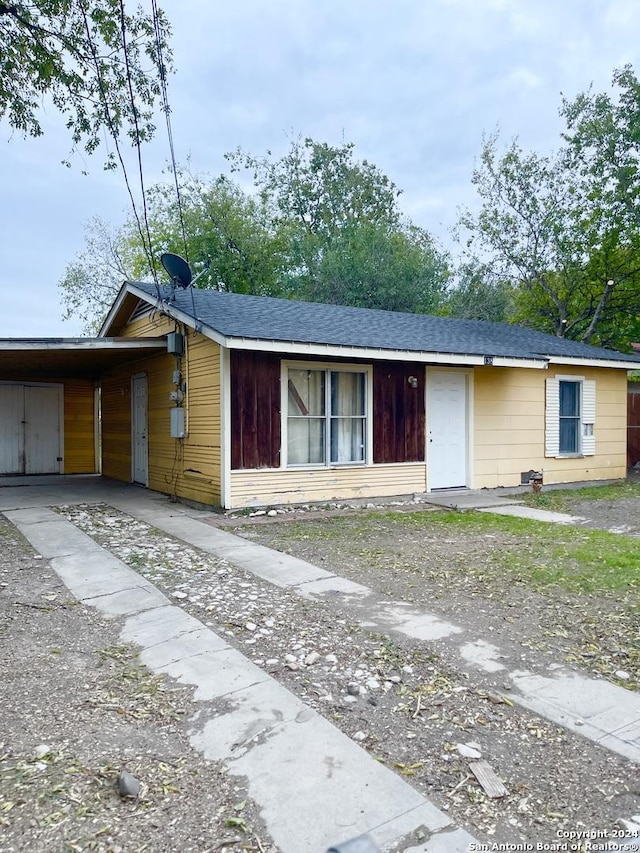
pixel 114 135
pixel 134 111
pixel 167 113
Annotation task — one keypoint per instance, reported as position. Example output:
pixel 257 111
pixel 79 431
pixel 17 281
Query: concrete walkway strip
pixel 533 514
pixel 599 710
pixel 92 574
pixel 314 785
pixel 299 576
pixel 280 569
pixel 328 788
pixel 183 648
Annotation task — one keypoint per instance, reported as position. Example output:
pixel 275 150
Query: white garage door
pixel 30 429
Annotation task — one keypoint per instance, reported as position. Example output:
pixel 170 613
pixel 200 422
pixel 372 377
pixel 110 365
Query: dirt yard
pixel 78 707
pixel 409 707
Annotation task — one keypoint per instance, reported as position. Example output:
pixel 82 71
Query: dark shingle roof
pixel 264 318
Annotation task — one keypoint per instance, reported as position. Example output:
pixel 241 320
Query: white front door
pixel 139 473
pixel 30 429
pixel 447 440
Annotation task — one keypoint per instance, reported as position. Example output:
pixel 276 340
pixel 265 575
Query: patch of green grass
pixel 533 553
pixel 544 554
pixel 558 499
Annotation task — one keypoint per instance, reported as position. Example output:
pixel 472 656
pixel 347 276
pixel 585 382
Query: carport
pixel 50 400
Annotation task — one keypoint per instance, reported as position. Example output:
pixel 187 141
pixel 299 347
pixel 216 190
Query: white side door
pixel 11 429
pixel 447 434
pixel 42 429
pixel 139 441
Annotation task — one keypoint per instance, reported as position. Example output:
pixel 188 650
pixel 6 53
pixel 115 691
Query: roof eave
pixel 113 311
pixel 594 362
pixel 167 308
pixel 106 343
pixel 340 351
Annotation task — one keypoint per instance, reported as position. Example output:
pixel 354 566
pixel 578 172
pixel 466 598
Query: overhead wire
pixel 167 113
pixel 142 223
pixel 114 135
pixel 134 113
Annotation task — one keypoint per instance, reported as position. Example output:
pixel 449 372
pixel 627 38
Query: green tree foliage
pixel 320 188
pixel 526 232
pixel 373 266
pixel 227 241
pixel 226 235
pixel 478 296
pixel 98 64
pixel 92 281
pixel 346 239
pixel 320 227
pixel 603 149
pixel 565 229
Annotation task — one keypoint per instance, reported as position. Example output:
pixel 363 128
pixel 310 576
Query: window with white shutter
pixel 570 416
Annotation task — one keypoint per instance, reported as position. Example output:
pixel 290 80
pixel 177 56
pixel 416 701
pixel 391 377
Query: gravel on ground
pixel 411 709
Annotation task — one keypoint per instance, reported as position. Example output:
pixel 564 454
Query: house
pixel 276 401
pixel 243 401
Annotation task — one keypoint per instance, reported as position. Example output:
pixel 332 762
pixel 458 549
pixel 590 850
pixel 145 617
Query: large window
pixel 326 416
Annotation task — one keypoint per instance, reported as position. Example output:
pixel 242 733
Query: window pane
pixel 305 441
pixel 347 439
pixel 347 394
pixel 569 399
pixel 569 435
pixel 306 392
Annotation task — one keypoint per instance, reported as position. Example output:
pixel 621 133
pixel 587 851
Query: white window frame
pixel 586 429
pixel 327 367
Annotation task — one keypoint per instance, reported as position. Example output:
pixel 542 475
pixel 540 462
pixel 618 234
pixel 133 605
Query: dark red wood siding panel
pixel 398 412
pixel 633 426
pixel 255 410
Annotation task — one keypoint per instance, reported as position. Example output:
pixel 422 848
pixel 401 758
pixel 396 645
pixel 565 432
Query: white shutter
pixel 588 417
pixel 552 418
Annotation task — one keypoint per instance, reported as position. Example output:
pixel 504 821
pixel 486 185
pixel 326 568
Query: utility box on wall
pixel 175 343
pixel 177 423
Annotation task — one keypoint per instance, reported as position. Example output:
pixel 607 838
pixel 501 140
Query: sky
pixel 414 84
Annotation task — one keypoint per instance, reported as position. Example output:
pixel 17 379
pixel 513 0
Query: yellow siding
pixel 79 427
pixel 190 467
pixel 116 424
pixel 276 486
pixel 153 326
pixel 509 427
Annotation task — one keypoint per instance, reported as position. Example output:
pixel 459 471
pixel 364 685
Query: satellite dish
pixel 178 269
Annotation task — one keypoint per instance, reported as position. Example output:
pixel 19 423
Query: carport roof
pixel 70 358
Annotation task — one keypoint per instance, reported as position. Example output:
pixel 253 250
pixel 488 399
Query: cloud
pixel 414 85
